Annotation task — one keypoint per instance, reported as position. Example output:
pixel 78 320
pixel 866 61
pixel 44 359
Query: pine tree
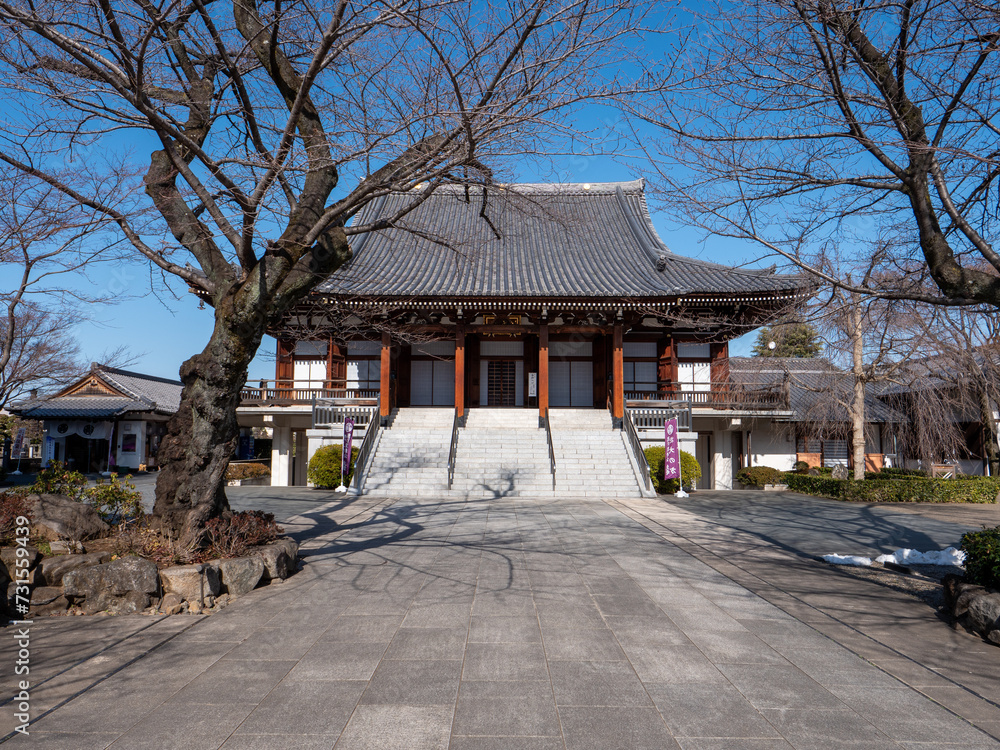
pixel 799 340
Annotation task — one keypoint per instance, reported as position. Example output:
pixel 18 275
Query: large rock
pixel 984 613
pixel 121 586
pixel 8 555
pixel 280 559
pixel 840 472
pixel 241 575
pixel 47 600
pixel 52 569
pixel 192 583
pixel 61 517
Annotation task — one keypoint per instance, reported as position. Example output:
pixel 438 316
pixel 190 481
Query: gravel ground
pixel 923 582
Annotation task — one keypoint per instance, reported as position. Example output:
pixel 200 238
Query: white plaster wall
pixel 722 463
pixel 771 446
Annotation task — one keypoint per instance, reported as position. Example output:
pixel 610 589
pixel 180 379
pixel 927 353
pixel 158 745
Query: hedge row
pixel 982 557
pixel 898 490
pixel 690 470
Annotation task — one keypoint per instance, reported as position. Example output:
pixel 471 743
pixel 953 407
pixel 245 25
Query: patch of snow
pixel 855 560
pixel 950 556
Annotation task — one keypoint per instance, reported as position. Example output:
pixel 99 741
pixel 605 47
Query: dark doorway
pixel 502 385
pixel 86 455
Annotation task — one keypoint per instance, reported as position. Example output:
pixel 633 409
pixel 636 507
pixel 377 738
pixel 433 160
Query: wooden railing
pixel 652 415
pixel 365 453
pixel 333 412
pixel 285 392
pixel 764 396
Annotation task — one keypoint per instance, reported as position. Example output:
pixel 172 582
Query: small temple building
pixel 540 298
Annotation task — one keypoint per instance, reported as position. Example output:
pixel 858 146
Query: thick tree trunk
pixel 858 398
pixel 202 435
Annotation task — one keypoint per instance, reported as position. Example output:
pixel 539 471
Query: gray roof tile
pixel 143 393
pixel 554 241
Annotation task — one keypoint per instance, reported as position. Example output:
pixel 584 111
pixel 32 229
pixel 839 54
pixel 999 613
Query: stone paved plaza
pixel 481 625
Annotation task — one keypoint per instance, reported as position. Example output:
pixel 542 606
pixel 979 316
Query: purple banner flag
pixel 671 451
pixel 345 461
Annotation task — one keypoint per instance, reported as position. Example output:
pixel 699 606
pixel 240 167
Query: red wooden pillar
pixel 543 370
pixel 385 406
pixel 460 370
pixel 720 367
pixel 618 376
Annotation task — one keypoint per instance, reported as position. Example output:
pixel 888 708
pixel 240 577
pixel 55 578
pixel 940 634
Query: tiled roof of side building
pixel 817 389
pixel 140 393
pixel 572 240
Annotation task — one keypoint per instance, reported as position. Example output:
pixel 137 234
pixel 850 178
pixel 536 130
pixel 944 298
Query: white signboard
pixel 532 384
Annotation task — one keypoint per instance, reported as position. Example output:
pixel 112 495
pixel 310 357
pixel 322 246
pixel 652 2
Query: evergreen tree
pixel 798 340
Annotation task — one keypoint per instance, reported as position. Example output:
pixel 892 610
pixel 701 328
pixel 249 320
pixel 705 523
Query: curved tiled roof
pixel 576 240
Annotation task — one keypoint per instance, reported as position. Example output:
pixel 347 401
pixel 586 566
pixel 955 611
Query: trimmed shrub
pixel 324 467
pixel 899 490
pixel 758 476
pixel 982 557
pixel 12 505
pixel 889 471
pixel 690 471
pixel 247 471
pixel 801 466
pixel 920 490
pixel 235 535
pixel 117 502
pixel 58 480
pixel 823 486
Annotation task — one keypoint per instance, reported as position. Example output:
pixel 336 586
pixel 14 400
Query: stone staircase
pixel 591 457
pixel 412 455
pixel 502 453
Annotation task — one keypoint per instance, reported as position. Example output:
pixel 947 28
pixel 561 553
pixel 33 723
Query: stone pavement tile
pixel 811 729
pixel 712 743
pixel 227 625
pixel 768 686
pixel 288 742
pixel 506 743
pixel 581 644
pixel 184 727
pixel 414 682
pixel 948 746
pixel 966 704
pixel 427 643
pixel 504 661
pixel 506 708
pixel 288 642
pixel 641 606
pixel 344 660
pixel 397 728
pixel 911 672
pixel 703 617
pixel 431 615
pixel 871 677
pixel 377 603
pixel 501 603
pixel 735 648
pixel 601 683
pixel 904 714
pixel 596 728
pixel 647 631
pixel 715 710
pixel 670 663
pixel 62 740
pixel 318 707
pixel 495 629
pixel 233 682
pixel 361 628
pixel 571 614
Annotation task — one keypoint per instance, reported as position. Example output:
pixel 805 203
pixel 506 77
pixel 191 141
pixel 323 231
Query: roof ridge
pixel 140 375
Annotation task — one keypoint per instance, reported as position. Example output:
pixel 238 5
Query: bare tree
pixel 824 126
pixel 268 127
pixel 46 244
